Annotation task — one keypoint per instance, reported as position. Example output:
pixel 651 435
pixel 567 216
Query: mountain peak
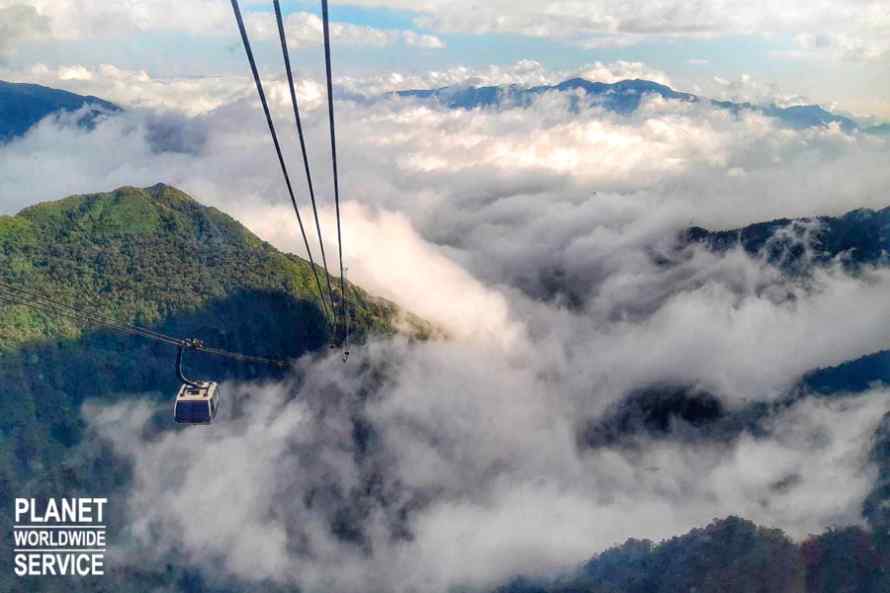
pixel 148 253
pixel 159 187
pixel 130 210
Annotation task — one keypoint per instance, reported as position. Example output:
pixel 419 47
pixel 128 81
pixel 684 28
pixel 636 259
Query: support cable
pixel 330 87
pixel 265 104
pixel 293 98
pixel 20 296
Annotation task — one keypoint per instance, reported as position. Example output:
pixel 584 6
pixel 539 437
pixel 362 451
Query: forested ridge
pixel 142 255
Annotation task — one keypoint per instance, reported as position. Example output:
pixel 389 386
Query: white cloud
pixel 389 259
pixel 87 19
pixel 474 461
pixel 413 39
pixel 19 22
pixel 747 88
pixel 82 19
pixel 842 46
pixel 609 22
pixel 77 72
pixel 525 73
pixel 855 30
pixel 138 89
pixel 304 29
pixel 622 70
pixel 198 95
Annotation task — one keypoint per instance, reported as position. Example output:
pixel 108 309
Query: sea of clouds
pixel 536 239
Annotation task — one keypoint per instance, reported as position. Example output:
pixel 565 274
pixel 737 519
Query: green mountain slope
pixel 156 258
pixel 143 255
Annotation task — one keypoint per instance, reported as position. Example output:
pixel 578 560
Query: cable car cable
pixel 179 374
pixel 348 319
pixel 36 300
pixel 330 86
pixel 265 104
pixel 138 331
pixel 17 296
pixel 294 102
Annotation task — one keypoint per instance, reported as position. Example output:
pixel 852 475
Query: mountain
pixel 857 238
pixel 729 556
pixel 622 97
pixel 23 105
pixel 153 257
pixel 156 258
pixel 146 256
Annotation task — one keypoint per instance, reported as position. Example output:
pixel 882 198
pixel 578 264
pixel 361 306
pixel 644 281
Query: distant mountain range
pixel 620 97
pixel 23 105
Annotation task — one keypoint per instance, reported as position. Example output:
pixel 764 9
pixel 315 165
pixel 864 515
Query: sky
pixel 544 241
pixel 832 53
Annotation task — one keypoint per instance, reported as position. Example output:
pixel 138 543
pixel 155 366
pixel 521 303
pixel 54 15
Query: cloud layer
pixel 466 479
pixel 86 19
pixel 304 29
pixel 851 30
pixel 18 22
pixel 544 241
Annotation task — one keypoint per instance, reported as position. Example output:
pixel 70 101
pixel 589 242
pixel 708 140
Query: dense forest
pixel 730 556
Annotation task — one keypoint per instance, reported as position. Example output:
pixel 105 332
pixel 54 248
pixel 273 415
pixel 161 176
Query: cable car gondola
pixel 197 401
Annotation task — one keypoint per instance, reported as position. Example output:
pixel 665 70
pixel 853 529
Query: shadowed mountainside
pixel 856 241
pixel 860 237
pixel 22 105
